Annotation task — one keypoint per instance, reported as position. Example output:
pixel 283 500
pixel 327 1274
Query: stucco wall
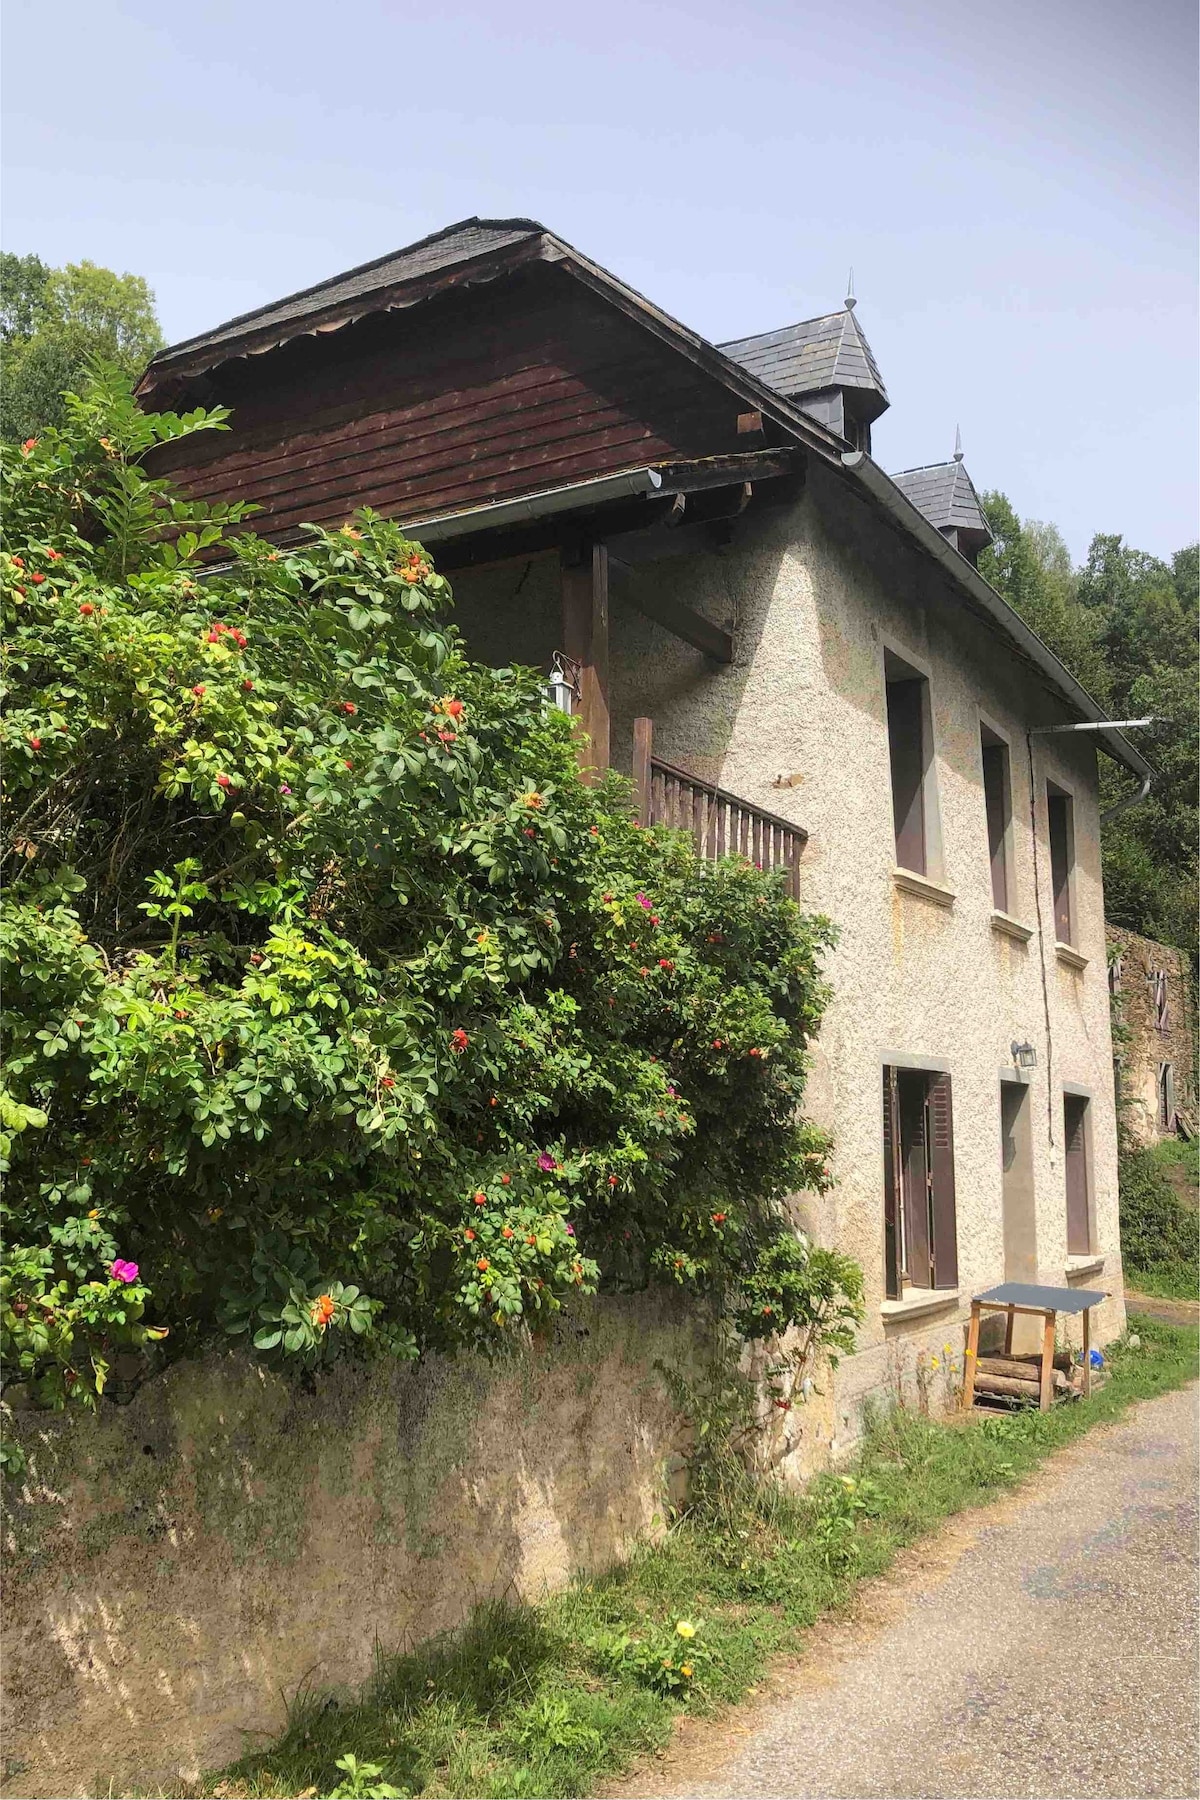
pixel 1143 1045
pixel 174 1566
pixel 511 612
pixel 816 592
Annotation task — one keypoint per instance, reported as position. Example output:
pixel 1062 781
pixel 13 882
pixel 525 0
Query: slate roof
pixel 946 495
pixel 829 352
pixel 460 243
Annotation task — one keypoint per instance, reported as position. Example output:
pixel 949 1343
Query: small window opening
pixel 1079 1226
pixel 1062 860
pixel 909 747
pixel 997 796
pixel 1166 1096
pixel 1161 1009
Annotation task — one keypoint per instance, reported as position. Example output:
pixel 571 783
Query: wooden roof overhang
pixel 170 372
pixel 512 245
pixel 652 502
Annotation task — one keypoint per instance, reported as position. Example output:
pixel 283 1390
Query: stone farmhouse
pixel 1154 1019
pixel 794 655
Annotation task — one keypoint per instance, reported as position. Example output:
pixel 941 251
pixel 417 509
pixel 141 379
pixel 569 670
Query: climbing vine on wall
pixel 338 1012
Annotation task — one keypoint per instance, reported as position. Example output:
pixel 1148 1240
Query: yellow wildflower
pixel 685 1628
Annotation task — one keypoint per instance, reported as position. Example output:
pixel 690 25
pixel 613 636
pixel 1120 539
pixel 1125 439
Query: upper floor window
pixel 1060 813
pixel 1166 1096
pixel 1161 1011
pixel 997 798
pixel 910 748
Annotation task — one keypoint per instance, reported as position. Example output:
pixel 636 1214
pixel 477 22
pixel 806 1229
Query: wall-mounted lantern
pixel 562 689
pixel 1024 1055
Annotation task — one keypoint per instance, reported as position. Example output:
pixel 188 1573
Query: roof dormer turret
pixel 825 365
pixel 946 495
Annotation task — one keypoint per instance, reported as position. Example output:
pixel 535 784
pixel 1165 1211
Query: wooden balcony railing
pixel 720 823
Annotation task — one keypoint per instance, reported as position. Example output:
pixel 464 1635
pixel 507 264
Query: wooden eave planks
pixel 543 396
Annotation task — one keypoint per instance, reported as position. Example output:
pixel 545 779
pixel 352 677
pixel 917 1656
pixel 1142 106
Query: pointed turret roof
pixel 814 355
pixel 945 493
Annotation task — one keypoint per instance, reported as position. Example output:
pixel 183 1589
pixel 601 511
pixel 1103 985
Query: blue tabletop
pixel 1024 1293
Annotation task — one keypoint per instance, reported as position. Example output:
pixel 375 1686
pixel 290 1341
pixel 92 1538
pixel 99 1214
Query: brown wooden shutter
pixel 1079 1234
pixel 941 1168
pixel 905 732
pixel 912 1086
pixel 891 1186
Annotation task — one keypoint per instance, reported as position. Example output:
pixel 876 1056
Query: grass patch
pixel 1180 1159
pixel 1166 1281
pixel 1160 1227
pixel 549 1699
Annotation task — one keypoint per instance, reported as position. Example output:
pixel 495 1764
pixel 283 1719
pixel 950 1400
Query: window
pixel 1062 860
pixel 1075 1139
pixel 1166 1096
pixel 1161 1013
pixel 1017 1190
pixel 920 1249
pixel 910 739
pixel 997 799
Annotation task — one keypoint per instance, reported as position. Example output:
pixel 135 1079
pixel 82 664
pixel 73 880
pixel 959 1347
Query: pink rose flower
pixel 124 1271
pixel 546 1162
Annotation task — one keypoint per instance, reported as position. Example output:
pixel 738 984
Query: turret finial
pixel 851 302
pixel 958 449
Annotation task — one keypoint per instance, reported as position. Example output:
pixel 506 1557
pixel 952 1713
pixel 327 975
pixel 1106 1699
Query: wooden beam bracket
pixel 681 621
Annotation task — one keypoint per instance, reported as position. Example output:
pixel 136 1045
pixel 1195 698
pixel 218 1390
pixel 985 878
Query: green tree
pixel 1125 625
pixel 1146 618
pixel 336 1007
pixel 53 322
pixel 1030 566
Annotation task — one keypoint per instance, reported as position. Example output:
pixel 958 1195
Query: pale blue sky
pixel 1014 183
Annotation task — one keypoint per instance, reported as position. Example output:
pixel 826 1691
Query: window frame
pixel 1168 1107
pixel 995 742
pixel 1162 999
pixel 1060 805
pixel 920 1205
pixel 1018 1182
pixel 900 668
pixel 1079 1208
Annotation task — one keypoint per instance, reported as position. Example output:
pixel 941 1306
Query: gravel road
pixel 1046 1647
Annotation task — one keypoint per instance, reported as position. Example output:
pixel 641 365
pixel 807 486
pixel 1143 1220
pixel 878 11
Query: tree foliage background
pixel 1125 624
pixel 52 321
pixel 337 1008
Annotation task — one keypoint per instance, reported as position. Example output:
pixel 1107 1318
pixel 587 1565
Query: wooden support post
pixel 972 1358
pixel 643 749
pixel 1008 1330
pixel 1087 1352
pixel 585 641
pixel 1046 1392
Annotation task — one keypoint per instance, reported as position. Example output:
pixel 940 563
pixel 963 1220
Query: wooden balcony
pixel 720 823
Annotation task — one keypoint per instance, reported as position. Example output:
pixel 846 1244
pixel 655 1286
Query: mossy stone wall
pixel 176 1565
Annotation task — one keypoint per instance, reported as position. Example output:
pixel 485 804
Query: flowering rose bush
pixel 337 1009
